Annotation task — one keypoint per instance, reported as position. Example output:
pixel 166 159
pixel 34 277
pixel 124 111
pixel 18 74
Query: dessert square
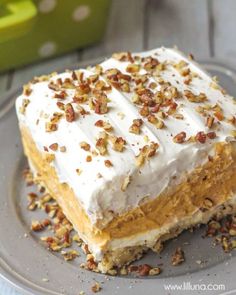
pixel 134 150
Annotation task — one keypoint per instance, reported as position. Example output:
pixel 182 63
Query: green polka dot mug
pixel 33 30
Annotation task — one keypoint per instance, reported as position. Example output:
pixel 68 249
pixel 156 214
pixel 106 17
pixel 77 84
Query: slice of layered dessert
pixel 134 150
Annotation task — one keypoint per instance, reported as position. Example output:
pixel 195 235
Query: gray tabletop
pixel 206 28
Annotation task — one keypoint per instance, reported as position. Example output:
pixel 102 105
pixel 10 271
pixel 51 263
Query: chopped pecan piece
pixel 83 88
pixel 54 86
pixel 125 183
pixel 78 75
pixel 80 98
pixel 62 94
pixel 144 111
pixel 187 80
pixel 136 126
pixel 211 135
pixel 219 115
pixel 56 117
pixel 178 116
pixel 152 119
pixel 78 171
pixel 68 84
pixel 212 228
pixel 209 121
pixel 89 158
pixel 226 244
pixel 180 65
pixel 184 72
pixel 177 257
pixel 154 271
pixel 201 137
pixel 146 152
pixel 150 63
pixel 152 148
pixel 101 85
pixel 152 85
pixel 27 90
pixel 180 137
pixel 232 120
pixel 39 226
pixel 70 113
pixel 50 127
pixel 54 146
pixel 123 56
pixel 69 255
pixel 193 97
pixel 36 226
pixel 96 287
pixel 140 159
pixel 133 68
pixel 105 125
pixel 155 121
pixel 61 105
pixel 25 103
pixel 118 143
pixel 85 146
pixel 144 269
pixel 101 144
pixel 108 163
pixel 93 78
pixel 63 149
pixel 146 96
pixel 100 105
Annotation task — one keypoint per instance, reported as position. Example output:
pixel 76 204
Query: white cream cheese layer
pixel 102 195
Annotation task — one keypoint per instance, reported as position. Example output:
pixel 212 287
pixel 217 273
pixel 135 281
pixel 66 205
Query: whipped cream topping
pixel 100 188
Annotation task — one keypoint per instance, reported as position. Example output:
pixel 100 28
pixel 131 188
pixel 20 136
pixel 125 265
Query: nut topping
pixel 108 163
pixel 144 269
pixel 96 287
pixel 27 90
pixel 101 144
pixel 78 171
pixel 105 125
pixel 177 257
pixel 133 68
pixel 201 137
pixel 193 97
pixel 210 121
pixel 85 146
pixel 89 158
pixel 146 152
pixel 118 143
pixel 54 146
pixel 70 113
pixel 50 127
pixel 24 105
pixel 211 135
pixel 125 183
pixel 63 149
pixel 136 126
pixel 62 94
pixel 180 137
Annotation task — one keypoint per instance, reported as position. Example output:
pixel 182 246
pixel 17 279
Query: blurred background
pixel 41 36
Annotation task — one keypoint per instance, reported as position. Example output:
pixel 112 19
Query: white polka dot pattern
pixel 46 6
pixel 47 49
pixel 81 13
